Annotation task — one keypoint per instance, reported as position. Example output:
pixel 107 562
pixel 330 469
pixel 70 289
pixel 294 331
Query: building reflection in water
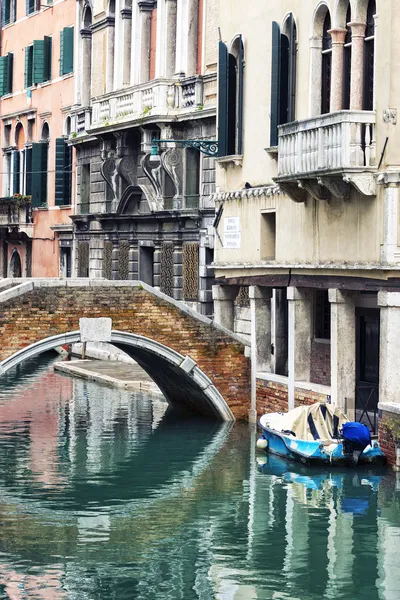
pixel 107 494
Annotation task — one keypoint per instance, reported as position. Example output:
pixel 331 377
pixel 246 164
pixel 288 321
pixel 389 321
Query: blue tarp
pixel 356 433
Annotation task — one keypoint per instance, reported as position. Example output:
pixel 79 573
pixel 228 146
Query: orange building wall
pixel 50 100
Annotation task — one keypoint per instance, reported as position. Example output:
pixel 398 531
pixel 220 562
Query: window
pixel 191 182
pixel 283 76
pixel 63 173
pixel 369 57
pixel 268 236
pixel 38 61
pixel 322 315
pixel 326 66
pixel 230 98
pixel 38 182
pixel 85 189
pixel 347 62
pixel 8 12
pixel 66 50
pixel 6 74
pixel 32 6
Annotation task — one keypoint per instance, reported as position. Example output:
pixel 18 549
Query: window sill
pixel 272 151
pixel 234 160
pixel 43 207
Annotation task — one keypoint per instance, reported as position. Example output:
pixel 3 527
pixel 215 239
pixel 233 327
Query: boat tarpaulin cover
pixel 316 422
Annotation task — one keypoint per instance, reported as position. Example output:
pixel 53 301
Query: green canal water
pixel 105 494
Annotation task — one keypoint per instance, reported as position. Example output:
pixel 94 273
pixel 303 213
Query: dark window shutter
pixel 67 50
pixel 284 81
pixel 38 62
pixel 28 171
pixel 292 69
pixel 14 11
pixel 240 97
pixel 16 168
pixel 222 99
pixel 60 172
pixel 39 174
pixel 68 174
pixel 275 82
pixel 28 65
pixel 232 97
pixel 48 42
pixel 10 73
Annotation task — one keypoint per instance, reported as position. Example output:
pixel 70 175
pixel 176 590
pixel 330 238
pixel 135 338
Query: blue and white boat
pixel 318 434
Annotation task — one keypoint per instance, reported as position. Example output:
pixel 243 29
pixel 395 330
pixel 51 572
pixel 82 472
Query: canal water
pixel 105 494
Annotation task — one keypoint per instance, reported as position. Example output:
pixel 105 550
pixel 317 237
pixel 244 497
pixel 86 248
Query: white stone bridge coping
pixel 197 382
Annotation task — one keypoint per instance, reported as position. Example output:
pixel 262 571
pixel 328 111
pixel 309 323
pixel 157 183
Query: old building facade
pixel 37 180
pixel 145 210
pixel 307 251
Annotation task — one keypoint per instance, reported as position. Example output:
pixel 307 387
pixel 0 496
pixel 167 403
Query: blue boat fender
pixel 262 443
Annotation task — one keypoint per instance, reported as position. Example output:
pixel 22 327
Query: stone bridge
pixel 197 364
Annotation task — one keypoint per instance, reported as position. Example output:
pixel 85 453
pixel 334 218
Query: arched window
pixel 369 56
pixel 45 133
pixel 347 62
pixel 15 264
pixel 230 98
pixel 283 75
pixel 326 75
pixel 86 51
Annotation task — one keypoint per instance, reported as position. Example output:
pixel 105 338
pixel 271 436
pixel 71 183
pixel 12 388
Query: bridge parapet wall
pixel 34 309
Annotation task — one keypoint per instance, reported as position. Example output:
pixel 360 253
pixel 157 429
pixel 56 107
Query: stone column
pixel 300 307
pixel 145 7
pixel 260 310
pixel 224 297
pixel 391 182
pixel 357 65
pixel 338 36
pixel 86 84
pixel 192 35
pixel 343 351
pixel 315 76
pixel 110 55
pixel 170 18
pixel 126 14
pixel 389 355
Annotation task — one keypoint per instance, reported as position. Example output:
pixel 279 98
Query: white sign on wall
pixel 232 235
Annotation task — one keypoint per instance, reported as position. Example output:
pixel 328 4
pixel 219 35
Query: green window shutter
pixel 60 172
pixel 275 82
pixel 67 50
pixel 38 62
pixel 16 167
pixel 240 97
pixel 292 70
pixel 3 75
pixel 14 11
pixel 222 99
pixel 28 66
pixel 39 174
pixel 28 171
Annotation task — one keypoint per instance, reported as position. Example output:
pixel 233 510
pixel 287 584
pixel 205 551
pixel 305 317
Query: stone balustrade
pixel 156 98
pixel 331 142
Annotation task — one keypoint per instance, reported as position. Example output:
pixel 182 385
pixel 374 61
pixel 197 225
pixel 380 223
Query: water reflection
pixel 106 494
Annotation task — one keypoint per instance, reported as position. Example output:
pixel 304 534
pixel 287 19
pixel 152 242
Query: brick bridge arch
pixel 196 363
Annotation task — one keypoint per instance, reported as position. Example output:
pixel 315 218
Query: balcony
pixel 159 98
pixel 322 156
pixel 16 214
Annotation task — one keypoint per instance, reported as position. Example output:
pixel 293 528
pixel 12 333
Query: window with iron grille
pixel 322 315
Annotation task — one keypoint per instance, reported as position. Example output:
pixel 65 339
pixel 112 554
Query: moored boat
pixel 318 434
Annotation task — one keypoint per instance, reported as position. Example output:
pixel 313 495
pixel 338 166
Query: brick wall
pixel 50 311
pixel 320 362
pixel 388 432
pixel 272 396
